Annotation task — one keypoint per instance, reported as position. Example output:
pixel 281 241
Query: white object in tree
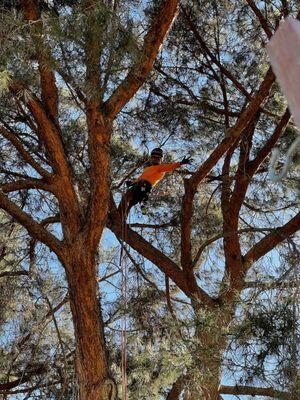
pixel 284 53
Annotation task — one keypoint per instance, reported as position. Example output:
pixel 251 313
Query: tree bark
pixel 205 375
pixel 94 379
pixel 210 361
pixel 257 391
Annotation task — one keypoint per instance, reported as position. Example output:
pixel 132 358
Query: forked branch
pixel 137 75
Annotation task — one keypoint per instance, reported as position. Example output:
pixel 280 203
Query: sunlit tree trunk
pixel 212 343
pixel 93 374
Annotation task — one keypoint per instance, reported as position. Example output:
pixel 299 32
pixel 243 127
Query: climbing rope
pixel 123 268
pixel 124 335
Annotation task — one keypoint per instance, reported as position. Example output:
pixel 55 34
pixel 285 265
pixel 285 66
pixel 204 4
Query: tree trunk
pixel 194 386
pixel 211 367
pixel 95 382
pixel 204 384
pixel 211 337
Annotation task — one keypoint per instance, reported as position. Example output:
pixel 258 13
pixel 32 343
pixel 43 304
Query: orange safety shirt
pixel 155 173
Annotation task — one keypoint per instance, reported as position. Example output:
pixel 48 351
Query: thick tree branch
pixel 234 266
pixel 98 133
pixel 140 70
pixel 9 173
pixel 226 185
pixel 234 271
pixel 187 283
pixel 71 212
pixel 5 274
pixel 98 145
pixel 279 284
pixel 31 12
pixel 29 389
pixel 254 106
pixel 191 184
pixel 270 241
pixel 236 131
pixel 99 121
pixel 35 229
pixel 264 246
pixel 31 183
pixel 231 244
pixel 92 51
pixel 186 216
pixel 242 177
pixel 231 205
pixel 255 391
pixel 26 377
pixel 49 135
pixel 178 386
pixel 23 152
pixel 153 226
pixel 261 18
pixel 268 146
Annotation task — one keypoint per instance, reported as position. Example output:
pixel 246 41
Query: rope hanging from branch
pixel 123 268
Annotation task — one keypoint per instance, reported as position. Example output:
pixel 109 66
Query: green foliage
pixel 4 81
pixel 158 347
pixel 182 107
pixel 267 339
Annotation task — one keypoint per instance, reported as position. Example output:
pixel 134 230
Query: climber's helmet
pixel 156 156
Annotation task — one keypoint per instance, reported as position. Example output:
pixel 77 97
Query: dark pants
pixel 140 192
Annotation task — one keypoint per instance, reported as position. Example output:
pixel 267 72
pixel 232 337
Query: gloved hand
pixel 128 183
pixel 186 160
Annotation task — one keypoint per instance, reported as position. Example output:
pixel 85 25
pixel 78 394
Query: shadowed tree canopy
pixel 208 278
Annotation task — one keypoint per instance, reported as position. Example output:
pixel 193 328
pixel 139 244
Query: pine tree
pixel 79 52
pixel 69 138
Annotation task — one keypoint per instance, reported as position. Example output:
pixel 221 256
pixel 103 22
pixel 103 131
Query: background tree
pixel 195 93
pixel 209 268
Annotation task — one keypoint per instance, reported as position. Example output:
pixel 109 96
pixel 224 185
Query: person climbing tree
pixel 140 188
